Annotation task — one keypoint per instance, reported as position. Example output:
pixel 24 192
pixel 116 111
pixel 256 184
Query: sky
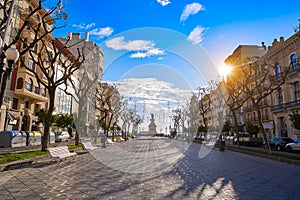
pixel 174 46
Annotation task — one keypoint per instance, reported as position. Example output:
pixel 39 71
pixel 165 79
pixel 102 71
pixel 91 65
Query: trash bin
pixel 222 145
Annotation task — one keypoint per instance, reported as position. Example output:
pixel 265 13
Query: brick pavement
pixel 219 175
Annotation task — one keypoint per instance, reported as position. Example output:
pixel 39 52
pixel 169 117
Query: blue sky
pixel 182 43
pixel 226 23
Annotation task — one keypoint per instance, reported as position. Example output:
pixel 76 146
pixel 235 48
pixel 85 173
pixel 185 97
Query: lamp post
pixel 11 55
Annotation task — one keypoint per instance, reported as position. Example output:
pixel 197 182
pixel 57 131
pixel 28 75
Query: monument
pixel 152 126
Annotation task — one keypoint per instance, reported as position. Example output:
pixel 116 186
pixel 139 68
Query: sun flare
pixel 225 70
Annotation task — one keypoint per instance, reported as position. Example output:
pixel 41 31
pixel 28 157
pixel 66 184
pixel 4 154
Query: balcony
pixel 27 90
pixel 285 106
pixel 293 68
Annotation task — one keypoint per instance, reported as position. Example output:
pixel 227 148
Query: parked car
pixel 293 146
pixel 199 137
pixel 63 136
pixel 279 143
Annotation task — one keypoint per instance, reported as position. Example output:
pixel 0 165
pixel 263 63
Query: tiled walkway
pixel 154 169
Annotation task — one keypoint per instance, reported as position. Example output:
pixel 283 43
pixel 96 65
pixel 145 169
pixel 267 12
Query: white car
pixel 64 136
pixel 293 146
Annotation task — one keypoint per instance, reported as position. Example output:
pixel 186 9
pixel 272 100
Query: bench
pixel 60 152
pixel 122 139
pixel 88 146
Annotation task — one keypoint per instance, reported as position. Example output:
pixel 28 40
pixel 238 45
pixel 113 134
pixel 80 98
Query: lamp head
pixel 12 54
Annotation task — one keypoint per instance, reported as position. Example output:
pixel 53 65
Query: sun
pixel 225 70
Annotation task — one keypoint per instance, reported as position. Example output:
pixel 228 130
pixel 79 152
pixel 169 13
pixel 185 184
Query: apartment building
pixel 85 80
pixel 281 61
pixel 24 96
pixel 283 56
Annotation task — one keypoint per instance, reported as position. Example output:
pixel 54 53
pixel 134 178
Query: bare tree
pixel 257 84
pixel 234 100
pixel 108 104
pixel 28 25
pixel 204 103
pixel 54 64
pixel 83 91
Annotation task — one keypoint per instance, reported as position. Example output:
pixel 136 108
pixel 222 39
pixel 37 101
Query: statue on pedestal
pixel 152 126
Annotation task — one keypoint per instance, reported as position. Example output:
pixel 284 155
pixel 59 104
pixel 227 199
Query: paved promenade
pixel 149 168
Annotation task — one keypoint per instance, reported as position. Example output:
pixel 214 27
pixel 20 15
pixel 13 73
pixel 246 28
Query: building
pixel 280 62
pixel 85 81
pixel 283 56
pixel 24 96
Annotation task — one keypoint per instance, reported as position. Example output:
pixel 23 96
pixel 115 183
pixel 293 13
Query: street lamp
pixel 11 55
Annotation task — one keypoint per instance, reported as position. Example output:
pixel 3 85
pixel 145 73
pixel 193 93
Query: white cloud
pixel 152 89
pixel 190 9
pixel 144 48
pixel 151 95
pixel 84 26
pixel 148 53
pixel 196 36
pixel 118 43
pixel 163 2
pixel 102 32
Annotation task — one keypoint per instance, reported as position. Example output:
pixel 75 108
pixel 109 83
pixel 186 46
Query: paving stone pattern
pixel 220 175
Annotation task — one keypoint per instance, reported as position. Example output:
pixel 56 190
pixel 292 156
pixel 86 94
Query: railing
pixel 294 66
pixel 285 105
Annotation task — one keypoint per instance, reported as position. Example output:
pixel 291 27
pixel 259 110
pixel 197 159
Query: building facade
pixel 24 96
pixel 280 62
pixel 283 55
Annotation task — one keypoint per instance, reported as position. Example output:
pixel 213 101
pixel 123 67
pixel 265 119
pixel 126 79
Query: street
pixel 154 168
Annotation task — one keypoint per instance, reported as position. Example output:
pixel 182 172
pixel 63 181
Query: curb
pixel 261 155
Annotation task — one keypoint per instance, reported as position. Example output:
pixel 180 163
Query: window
pixel 15 103
pixel 31 65
pixel 278 70
pixel 280 96
pixel 29 85
pixel 43 92
pixel 38 18
pixel 36 108
pixel 64 102
pixel 296 89
pixel 20 83
pixel 37 89
pixel 27 104
pixel 293 60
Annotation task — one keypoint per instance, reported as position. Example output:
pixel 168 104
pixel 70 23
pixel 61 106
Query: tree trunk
pixel 267 145
pixel 48 120
pixel 236 127
pixel 79 125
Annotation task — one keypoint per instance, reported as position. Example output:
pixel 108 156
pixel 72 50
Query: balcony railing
pixel 285 106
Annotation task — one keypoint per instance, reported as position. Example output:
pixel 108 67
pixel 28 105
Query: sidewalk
pixel 4 151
